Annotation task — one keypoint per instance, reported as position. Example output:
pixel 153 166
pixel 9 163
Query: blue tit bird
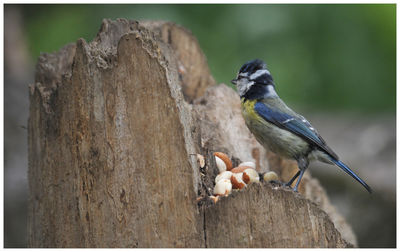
pixel 278 128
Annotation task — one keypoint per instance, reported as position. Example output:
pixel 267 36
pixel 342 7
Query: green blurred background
pixel 336 64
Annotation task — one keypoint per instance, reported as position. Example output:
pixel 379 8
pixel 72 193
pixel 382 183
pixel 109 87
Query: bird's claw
pixel 287 185
pixel 276 182
pixel 290 187
pixel 282 184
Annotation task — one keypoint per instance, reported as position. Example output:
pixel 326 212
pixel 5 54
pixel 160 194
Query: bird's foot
pixel 284 185
pixel 276 182
pixel 287 185
pixel 295 189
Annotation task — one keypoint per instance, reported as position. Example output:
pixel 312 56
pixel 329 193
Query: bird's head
pixel 253 77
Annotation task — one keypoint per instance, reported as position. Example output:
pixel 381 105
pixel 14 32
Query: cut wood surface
pixel 114 127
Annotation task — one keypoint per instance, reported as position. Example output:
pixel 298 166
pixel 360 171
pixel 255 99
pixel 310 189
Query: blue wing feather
pixel 296 125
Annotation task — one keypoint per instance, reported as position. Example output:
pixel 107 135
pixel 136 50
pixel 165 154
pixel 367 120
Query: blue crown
pixel 252 66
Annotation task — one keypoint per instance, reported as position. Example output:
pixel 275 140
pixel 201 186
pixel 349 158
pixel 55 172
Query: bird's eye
pixel 241 76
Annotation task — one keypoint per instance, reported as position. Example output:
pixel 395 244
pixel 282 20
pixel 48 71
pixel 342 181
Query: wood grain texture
pixel 109 162
pixel 264 217
pixel 112 144
pixel 192 64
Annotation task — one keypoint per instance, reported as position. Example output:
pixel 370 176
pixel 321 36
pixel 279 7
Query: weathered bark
pixel 111 144
pixel 259 218
pixel 109 148
pixel 191 62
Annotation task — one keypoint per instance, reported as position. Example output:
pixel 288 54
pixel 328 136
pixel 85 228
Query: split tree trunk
pixel 113 128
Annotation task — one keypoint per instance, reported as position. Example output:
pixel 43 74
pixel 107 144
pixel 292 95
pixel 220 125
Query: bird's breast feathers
pixel 270 136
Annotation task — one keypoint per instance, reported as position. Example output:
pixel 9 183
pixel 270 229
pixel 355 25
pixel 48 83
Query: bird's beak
pixel 234 81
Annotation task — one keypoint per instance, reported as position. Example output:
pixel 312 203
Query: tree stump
pixel 114 127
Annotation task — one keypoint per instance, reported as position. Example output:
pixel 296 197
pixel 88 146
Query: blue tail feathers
pixel 351 173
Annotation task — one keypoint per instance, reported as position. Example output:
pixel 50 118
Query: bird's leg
pixel 289 184
pixel 303 164
pixel 298 181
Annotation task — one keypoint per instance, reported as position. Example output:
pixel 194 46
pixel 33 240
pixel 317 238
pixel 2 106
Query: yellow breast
pixel 248 110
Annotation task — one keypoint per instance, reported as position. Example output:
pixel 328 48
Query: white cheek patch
pixel 243 85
